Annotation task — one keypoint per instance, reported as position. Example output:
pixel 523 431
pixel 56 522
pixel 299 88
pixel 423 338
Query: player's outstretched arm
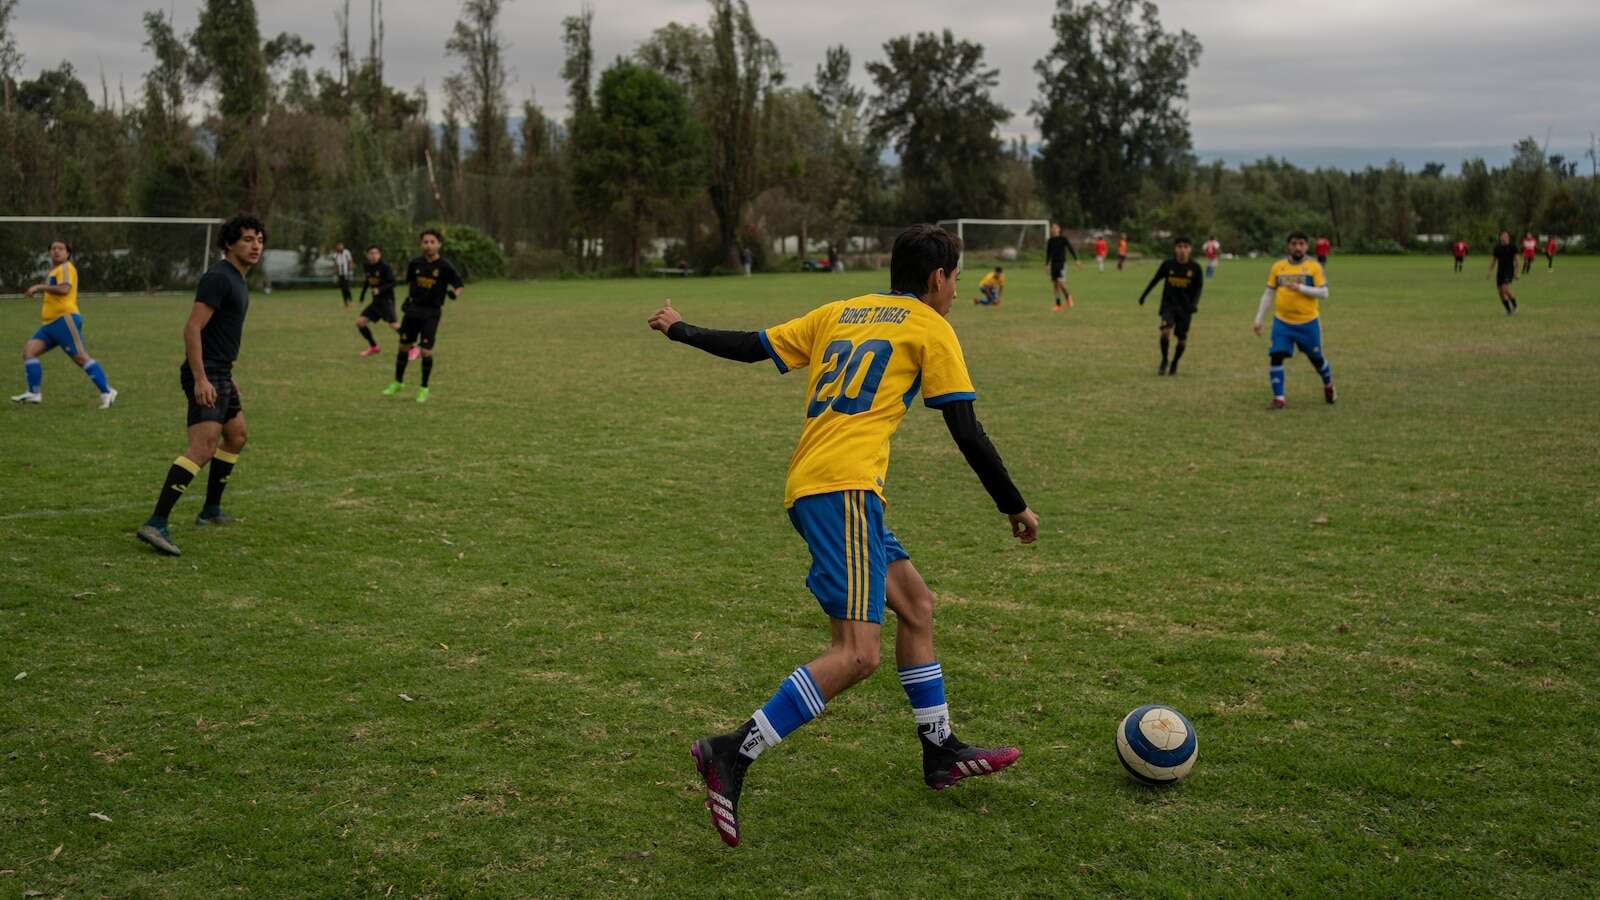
pixel 739 346
pixel 1161 272
pixel 985 461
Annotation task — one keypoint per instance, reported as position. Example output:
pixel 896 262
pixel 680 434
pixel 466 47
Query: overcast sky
pixel 1345 82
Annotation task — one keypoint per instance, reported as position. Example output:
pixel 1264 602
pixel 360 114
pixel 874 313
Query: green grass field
pixel 462 648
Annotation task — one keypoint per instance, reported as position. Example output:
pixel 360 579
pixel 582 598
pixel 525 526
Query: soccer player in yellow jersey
pixel 62 327
pixel 868 357
pixel 991 288
pixel 1294 288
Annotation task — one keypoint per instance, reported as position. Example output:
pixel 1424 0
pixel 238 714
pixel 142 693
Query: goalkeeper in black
pixel 1180 299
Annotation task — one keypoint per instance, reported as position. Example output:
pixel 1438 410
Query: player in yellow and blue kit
pixel 62 327
pixel 991 288
pixel 1294 288
pixel 868 359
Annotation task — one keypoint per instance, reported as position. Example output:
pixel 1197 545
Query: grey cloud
pixel 1360 73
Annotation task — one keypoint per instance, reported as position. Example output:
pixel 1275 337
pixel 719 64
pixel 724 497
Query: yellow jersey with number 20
pixel 55 306
pixel 1290 305
pixel 868 358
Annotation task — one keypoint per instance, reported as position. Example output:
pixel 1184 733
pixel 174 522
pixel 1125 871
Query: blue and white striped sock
pixel 924 687
pixel 96 375
pixel 34 370
pixel 1275 375
pixel 1325 369
pixel 797 701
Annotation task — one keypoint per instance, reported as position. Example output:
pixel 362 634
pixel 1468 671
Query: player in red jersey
pixel 1530 249
pixel 1459 251
pixel 1324 247
pixel 1212 250
pixel 1100 248
pixel 1550 253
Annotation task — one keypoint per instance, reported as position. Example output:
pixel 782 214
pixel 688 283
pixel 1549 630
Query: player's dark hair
pixel 375 247
pixel 919 251
pixel 998 269
pixel 433 231
pixel 63 242
pixel 234 229
pixel 1180 239
pixel 1299 236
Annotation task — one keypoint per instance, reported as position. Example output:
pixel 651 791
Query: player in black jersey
pixel 380 281
pixel 216 415
pixel 1180 299
pixel 432 279
pixel 1504 257
pixel 1055 251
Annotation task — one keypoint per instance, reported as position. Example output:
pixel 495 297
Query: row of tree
pixel 698 138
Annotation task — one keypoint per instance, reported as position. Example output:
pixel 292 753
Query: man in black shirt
pixel 216 415
pixel 380 281
pixel 1055 251
pixel 432 279
pixel 1504 258
pixel 1180 299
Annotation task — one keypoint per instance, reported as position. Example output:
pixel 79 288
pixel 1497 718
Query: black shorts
pixel 1177 318
pixel 1058 273
pixel 379 309
pixel 1503 279
pixel 344 287
pixel 227 406
pixel 419 330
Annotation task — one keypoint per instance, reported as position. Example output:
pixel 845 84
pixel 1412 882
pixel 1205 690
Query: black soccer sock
pixel 1177 352
pixel 1164 344
pixel 1505 303
pixel 222 464
pixel 182 472
pixel 400 361
pixel 427 369
pixel 367 333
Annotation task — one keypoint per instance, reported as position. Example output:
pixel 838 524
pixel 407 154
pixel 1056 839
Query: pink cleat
pixel 370 351
pixel 415 352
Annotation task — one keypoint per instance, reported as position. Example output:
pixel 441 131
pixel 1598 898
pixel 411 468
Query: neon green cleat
pixel 393 388
pixel 422 395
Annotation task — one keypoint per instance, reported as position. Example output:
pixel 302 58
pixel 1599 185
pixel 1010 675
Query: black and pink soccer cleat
pixel 723 773
pixel 946 764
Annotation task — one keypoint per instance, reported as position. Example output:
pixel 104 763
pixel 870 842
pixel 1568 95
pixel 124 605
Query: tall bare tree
pixel 10 56
pixel 578 68
pixel 478 90
pixel 744 68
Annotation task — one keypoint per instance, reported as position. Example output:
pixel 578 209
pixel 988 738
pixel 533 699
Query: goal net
pixel 112 254
pixel 998 240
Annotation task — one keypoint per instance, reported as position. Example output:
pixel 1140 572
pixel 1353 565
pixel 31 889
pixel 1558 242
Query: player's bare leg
pixel 722 760
pixel 945 759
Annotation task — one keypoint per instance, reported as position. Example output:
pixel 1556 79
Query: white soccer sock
pixel 760 738
pixel 933 722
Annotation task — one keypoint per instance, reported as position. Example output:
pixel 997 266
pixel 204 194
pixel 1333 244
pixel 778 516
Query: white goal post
pixel 1002 229
pixel 116 220
pixel 118 253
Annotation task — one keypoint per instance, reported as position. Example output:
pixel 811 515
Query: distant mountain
pixel 1355 158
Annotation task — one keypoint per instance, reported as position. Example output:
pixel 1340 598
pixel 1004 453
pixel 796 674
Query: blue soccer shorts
pixel 58 334
pixel 850 552
pixel 1285 337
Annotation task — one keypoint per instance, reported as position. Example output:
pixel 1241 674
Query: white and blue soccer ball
pixel 1156 744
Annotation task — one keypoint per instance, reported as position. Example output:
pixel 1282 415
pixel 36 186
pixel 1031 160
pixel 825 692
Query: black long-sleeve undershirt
pixel 962 420
pixel 739 346
pixel 959 417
